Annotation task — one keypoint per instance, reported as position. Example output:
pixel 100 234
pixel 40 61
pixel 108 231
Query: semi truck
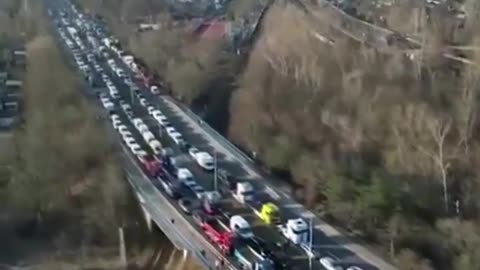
pixel 243 192
pixel 248 259
pixel 218 234
pixel 295 230
pixel 267 212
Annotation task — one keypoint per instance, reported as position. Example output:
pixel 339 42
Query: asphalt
pixel 327 241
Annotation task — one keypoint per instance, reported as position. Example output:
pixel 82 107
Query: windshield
pixel 244 230
pixel 300 231
pixel 209 164
pixel 246 193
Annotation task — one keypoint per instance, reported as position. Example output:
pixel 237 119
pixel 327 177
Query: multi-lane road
pixel 327 241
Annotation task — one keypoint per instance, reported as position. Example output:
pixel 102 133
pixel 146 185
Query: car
pixel 148 136
pixel 137 122
pixel 329 263
pixel 185 176
pixel 150 110
pixel 122 129
pixel 354 268
pixel 127 80
pixel 162 120
pixel 142 128
pixel 156 146
pixel 128 112
pixel 125 106
pixel 170 131
pixel 127 134
pixel 98 68
pixel 120 73
pixel 115 95
pixel 154 89
pixel 193 151
pixel 114 117
pixel 143 101
pixel 177 138
pixel 205 161
pixel 198 190
pixel 135 148
pixel 188 205
pixel 129 141
pixel 116 123
pixel 109 84
pixel 107 104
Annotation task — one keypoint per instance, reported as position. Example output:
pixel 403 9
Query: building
pixel 211 30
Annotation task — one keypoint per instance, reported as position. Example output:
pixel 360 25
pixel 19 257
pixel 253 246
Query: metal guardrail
pixel 218 137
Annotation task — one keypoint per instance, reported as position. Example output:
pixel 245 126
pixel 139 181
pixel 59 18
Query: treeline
pixel 380 144
pixel 64 179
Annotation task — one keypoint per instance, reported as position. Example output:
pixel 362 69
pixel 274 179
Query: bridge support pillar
pixel 148 218
pixel 185 254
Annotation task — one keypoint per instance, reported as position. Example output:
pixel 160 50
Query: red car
pixel 151 164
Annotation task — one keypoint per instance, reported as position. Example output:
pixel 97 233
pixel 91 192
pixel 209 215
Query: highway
pixel 327 241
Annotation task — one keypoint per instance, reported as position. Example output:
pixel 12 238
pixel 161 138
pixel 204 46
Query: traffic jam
pixel 128 92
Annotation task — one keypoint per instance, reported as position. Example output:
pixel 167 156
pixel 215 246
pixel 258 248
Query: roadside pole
pixel 123 252
pixel 311 244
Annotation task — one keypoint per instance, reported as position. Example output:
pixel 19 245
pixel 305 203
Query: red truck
pixel 218 234
pixel 150 164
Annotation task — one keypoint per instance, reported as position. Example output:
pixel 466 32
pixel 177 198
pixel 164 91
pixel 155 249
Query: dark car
pixel 188 205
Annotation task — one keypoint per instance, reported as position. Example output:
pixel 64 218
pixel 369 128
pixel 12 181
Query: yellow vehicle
pixel 269 214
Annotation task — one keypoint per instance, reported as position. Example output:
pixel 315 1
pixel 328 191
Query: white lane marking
pixel 272 193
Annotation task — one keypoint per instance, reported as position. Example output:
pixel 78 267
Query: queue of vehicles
pixel 232 235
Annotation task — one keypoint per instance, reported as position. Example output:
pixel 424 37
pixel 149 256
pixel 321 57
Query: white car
pixel 161 119
pixel 143 101
pixel 127 134
pixel 115 94
pixel 120 73
pixel 105 77
pixel 177 138
pixel 205 160
pixel 143 128
pixel 107 104
pixel 170 131
pixel 116 123
pixel 148 136
pixel 126 106
pixel 186 177
pixel 193 151
pixel 156 146
pixel 137 122
pixel 150 110
pixel 135 148
pixel 129 141
pixel 354 268
pixel 328 263
pixel 114 117
pixel 122 129
pixel 110 84
pixel 154 89
pixel 128 112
